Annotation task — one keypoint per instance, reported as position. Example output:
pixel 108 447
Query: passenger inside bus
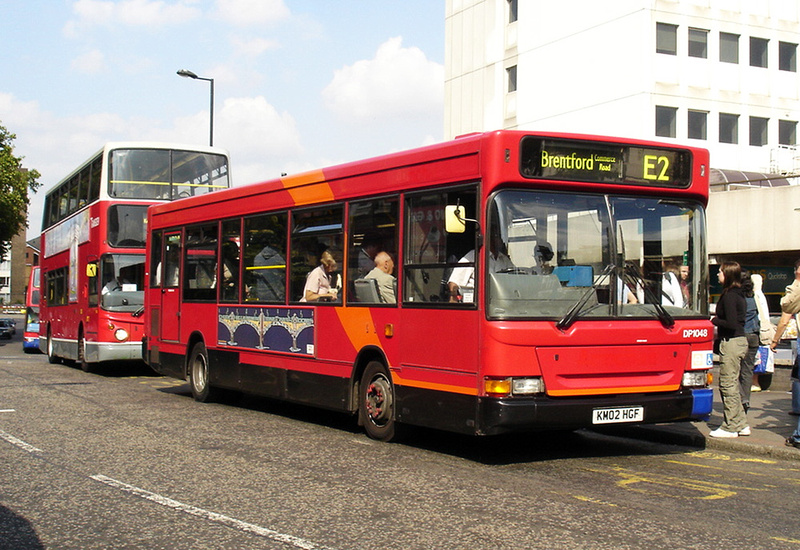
pixel 382 273
pixel 322 283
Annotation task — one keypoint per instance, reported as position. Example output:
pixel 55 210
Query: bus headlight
pixel 695 379
pixel 527 386
pixel 121 334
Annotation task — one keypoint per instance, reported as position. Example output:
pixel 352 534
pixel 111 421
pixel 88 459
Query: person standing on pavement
pixel 730 319
pixel 790 306
pixel 752 330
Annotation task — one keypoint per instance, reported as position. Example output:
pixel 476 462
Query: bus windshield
pixel 165 174
pixel 599 255
pixel 122 282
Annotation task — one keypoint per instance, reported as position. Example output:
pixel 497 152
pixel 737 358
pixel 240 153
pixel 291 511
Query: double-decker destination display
pixel 93 239
pixel 502 282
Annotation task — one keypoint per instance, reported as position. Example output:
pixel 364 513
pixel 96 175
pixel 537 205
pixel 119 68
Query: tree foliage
pixel 15 182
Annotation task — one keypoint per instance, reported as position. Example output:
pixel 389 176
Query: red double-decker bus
pixel 93 240
pixel 30 337
pixel 501 282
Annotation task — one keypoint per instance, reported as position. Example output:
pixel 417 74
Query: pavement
pixel 769 419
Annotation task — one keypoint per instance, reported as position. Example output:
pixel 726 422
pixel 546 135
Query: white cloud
pixel 136 13
pixel 254 46
pixel 91 62
pixel 397 83
pixel 245 13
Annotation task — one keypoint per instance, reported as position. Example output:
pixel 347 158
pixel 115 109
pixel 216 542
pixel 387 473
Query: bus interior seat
pixel 367 291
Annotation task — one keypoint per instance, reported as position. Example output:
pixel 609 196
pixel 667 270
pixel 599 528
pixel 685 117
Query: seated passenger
pixel 461 283
pixel 319 282
pixel 382 272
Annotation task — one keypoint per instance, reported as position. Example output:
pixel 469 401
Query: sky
pixel 298 84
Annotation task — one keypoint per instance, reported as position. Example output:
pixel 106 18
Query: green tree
pixel 15 182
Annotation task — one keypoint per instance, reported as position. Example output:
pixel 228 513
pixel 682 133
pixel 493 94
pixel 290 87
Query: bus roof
pixel 456 160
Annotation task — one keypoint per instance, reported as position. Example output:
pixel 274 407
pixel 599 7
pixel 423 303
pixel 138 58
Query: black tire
pixel 85 366
pixel 199 374
pixel 376 402
pixel 51 353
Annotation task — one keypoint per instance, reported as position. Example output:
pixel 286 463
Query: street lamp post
pixel 190 74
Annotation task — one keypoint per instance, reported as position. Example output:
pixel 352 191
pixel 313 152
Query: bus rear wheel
pixel 376 402
pixel 199 374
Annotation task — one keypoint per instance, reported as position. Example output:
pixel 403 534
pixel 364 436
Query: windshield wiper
pixel 663 315
pixel 138 312
pixel 567 320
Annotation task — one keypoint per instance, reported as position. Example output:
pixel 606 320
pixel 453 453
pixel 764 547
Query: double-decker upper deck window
pixel 667 38
pixel 164 174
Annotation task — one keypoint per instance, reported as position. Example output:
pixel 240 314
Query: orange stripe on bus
pixel 308 188
pixel 400 381
pixel 359 326
pixel 603 391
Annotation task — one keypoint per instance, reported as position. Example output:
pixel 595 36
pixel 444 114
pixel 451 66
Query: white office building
pixel 719 74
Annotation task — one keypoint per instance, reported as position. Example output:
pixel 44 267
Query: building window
pixel 787 54
pixel 697 124
pixel 698 43
pixel 758 131
pixel 728 128
pixel 758 52
pixel 667 38
pixel 512 78
pixel 787 132
pixel 665 121
pixel 728 47
pixel 512 10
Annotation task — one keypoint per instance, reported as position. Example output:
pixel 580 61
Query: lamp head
pixel 187 74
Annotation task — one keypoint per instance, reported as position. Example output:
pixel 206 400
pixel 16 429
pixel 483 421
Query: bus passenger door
pixel 170 288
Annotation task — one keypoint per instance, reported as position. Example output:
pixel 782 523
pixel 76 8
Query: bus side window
pixel 265 258
pixel 373 229
pixel 314 232
pixel 230 260
pixel 200 263
pixel 172 261
pixel 431 254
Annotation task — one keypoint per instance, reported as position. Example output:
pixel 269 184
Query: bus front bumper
pixel 97 352
pixel 506 415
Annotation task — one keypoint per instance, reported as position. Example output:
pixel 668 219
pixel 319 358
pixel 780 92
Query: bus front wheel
pixel 85 365
pixel 199 374
pixel 51 351
pixel 376 402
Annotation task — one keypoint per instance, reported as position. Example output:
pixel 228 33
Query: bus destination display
pixel 574 160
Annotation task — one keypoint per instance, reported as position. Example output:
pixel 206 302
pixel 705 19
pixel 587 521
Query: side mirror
pixel 454 220
pixel 91 270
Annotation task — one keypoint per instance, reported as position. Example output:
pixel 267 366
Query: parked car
pixel 10 326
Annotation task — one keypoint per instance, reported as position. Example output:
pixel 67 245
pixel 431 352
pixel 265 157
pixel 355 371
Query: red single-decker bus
pixel 501 282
